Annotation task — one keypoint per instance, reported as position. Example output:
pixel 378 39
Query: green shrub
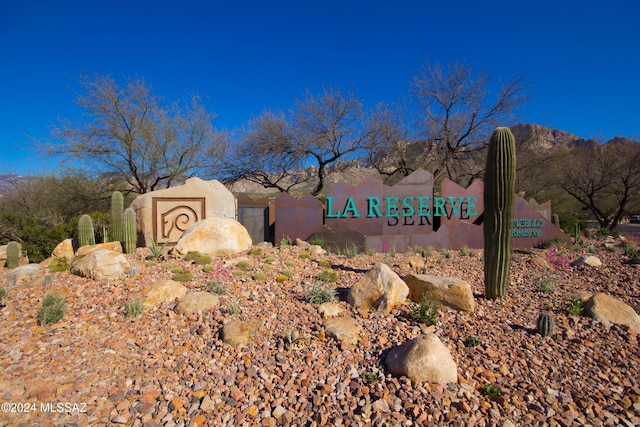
pixel 238 273
pixel 289 263
pixel 59 265
pixel 244 264
pixel 370 377
pixel 209 268
pixel 3 293
pixel 426 311
pixel 255 251
pixel 216 287
pixel 320 293
pixel 464 250
pixel 151 263
pixel 287 273
pixel 285 241
pixel 490 390
pixel 472 341
pixel 198 258
pixel 156 251
pixel 260 276
pixel 318 241
pixel 182 276
pixel 267 267
pixel 576 306
pixel 233 308
pixel 545 284
pixel 134 307
pixel 325 263
pixel 53 309
pixel 329 276
pixel 281 278
pixel 269 259
pixel 305 255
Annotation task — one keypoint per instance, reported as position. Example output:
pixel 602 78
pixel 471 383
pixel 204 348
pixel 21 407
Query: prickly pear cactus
pixel 130 236
pixel 13 254
pixel 86 234
pixel 117 216
pixel 499 188
pixel 545 325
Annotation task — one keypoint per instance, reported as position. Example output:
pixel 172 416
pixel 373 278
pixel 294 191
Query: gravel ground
pixel 97 367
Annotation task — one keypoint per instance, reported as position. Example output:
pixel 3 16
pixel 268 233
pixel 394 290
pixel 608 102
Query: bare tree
pixel 132 134
pixel 604 179
pixel 457 115
pixel 318 131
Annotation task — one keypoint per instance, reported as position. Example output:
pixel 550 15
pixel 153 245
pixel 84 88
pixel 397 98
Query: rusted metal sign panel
pixel 297 217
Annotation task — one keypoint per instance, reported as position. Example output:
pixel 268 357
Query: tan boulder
pixel 101 264
pixel 214 236
pixel 330 309
pixel 423 359
pixel 450 291
pixel 197 302
pixel 179 207
pixel 587 260
pixel 345 330
pixel 110 246
pixel 64 249
pixel 609 310
pixel 160 292
pixel 380 288
pixel 238 332
pixel 21 275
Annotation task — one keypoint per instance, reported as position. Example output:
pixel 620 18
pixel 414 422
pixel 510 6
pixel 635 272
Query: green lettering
pixel 438 207
pixel 330 208
pixel 350 206
pixel 424 206
pixel 373 203
pixel 408 209
pixel 392 205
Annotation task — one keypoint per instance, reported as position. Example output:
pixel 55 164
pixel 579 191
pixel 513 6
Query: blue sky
pixel 580 58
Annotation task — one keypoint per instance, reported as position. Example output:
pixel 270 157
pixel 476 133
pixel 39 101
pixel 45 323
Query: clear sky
pixel 581 58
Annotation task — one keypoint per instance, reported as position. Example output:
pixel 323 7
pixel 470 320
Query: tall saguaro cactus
pixel 499 188
pixel 86 234
pixel 130 236
pixel 117 216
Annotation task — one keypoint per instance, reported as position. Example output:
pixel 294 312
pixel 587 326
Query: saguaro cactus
pixel 117 219
pixel 13 254
pixel 130 236
pixel 86 235
pixel 499 188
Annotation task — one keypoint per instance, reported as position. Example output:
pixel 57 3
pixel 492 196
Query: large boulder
pixel 197 302
pixel 608 310
pixel 101 264
pixel 214 236
pixel 423 359
pixel 588 261
pixel 380 288
pixel 165 291
pixel 110 246
pixel 163 215
pixel 450 291
pixel 65 249
pixel 21 275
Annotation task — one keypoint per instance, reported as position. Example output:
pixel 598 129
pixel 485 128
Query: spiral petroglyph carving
pixel 172 216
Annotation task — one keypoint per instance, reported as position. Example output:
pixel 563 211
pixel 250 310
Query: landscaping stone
pixel 423 359
pixel 380 288
pixel 197 302
pixel 450 291
pixel 101 264
pixel 214 236
pixel 609 310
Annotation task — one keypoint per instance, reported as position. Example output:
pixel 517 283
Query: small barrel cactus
pixel 129 232
pixel 545 325
pixel 117 216
pixel 499 195
pixel 86 234
pixel 13 254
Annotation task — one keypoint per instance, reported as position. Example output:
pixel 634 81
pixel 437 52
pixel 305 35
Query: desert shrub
pixel 285 241
pixel 255 251
pixel 472 341
pixel 370 377
pixel 426 311
pixel 287 273
pixel 289 263
pixel 269 259
pixel 320 293
pixel 233 308
pixel 3 293
pixel 329 276
pixel 318 241
pixel 490 390
pixel 53 309
pixel 244 265
pixel 237 273
pixel 134 307
pixel 156 251
pixel 217 287
pixel 59 264
pixel 464 250
pixel 267 267
pixel 545 284
pixel 260 276
pixel 198 258
pixel 182 276
pixel 281 278
pixel 305 255
pixel 325 263
pixel 575 306
pixel 209 268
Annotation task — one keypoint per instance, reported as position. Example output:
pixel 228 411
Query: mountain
pixel 547 138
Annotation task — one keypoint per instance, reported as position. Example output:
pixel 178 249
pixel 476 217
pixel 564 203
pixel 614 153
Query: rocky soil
pixel 98 367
